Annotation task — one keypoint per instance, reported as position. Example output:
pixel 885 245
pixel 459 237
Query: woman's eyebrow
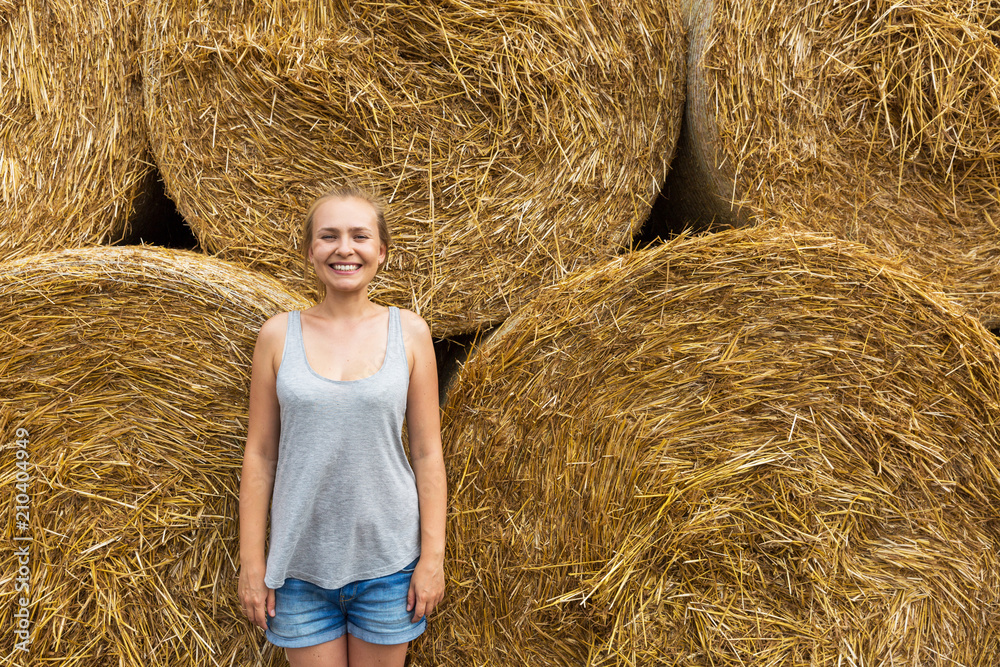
pixel 351 229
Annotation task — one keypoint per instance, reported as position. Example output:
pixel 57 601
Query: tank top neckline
pixel 385 358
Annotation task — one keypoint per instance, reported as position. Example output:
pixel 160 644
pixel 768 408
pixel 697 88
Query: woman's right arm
pixel 260 461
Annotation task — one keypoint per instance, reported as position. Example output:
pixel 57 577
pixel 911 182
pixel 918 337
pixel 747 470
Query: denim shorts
pixel 373 610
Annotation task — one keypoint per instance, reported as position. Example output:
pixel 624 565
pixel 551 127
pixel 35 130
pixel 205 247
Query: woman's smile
pixel 343 267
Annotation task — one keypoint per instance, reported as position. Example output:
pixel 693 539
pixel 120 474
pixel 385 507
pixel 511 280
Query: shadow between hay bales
pixel 687 202
pixel 668 219
pixel 161 223
pixel 451 354
pixel 660 226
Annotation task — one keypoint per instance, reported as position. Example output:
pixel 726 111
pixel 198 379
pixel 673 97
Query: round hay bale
pixel 749 449
pixel 875 121
pixel 75 166
pixel 129 371
pixel 514 142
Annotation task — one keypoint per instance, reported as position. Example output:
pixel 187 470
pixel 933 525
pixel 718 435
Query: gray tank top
pixel 344 505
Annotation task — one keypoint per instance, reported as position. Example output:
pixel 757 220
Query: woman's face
pixel 346 250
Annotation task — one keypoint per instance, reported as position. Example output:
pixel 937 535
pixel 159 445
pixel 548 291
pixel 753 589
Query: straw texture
pixel 130 370
pixel 75 166
pixel 514 141
pixel 750 449
pixel 876 121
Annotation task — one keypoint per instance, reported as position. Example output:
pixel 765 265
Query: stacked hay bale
pixel 129 369
pixel 515 141
pixel 74 157
pixel 875 121
pixel 749 449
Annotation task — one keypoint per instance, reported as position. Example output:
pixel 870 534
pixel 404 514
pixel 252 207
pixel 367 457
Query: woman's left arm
pixel 423 422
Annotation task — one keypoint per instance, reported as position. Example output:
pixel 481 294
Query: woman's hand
pixel 426 588
pixel 255 597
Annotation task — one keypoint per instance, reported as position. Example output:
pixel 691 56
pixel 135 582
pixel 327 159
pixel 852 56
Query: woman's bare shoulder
pixel 273 328
pixel 413 324
pixel 271 339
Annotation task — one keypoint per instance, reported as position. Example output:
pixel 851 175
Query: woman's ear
pixel 382 252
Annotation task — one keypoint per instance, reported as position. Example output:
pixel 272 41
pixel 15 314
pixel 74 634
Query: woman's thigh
pixel 363 654
pixel 327 654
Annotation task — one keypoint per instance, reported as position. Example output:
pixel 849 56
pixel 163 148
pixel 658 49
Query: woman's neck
pixel 345 306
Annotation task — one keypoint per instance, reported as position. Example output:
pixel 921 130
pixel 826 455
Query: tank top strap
pixel 293 339
pixel 394 347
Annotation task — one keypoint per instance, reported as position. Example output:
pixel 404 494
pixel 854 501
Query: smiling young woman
pixel 321 224
pixel 355 563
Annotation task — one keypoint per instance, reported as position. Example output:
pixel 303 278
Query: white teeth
pixel 344 267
